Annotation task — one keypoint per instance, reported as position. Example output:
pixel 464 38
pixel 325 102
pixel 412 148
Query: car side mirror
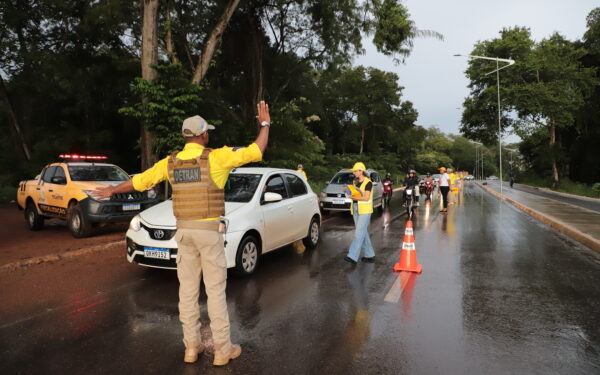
pixel 272 197
pixel 59 180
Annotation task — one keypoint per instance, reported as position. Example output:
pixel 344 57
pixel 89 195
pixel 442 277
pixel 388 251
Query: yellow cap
pixel 443 169
pixel 358 167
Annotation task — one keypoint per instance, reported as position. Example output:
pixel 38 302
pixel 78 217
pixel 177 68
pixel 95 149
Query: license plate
pixel 131 207
pixel 157 253
pixel 338 201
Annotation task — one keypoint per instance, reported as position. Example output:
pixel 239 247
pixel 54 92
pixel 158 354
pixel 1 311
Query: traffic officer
pixel 198 176
pixel 300 170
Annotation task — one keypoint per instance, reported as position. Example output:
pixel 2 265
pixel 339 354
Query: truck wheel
pixel 312 238
pixel 246 259
pixel 78 225
pixel 34 220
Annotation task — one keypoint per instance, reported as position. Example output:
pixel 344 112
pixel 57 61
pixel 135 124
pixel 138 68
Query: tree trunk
pixel 552 129
pixel 169 37
pixel 12 118
pixel 149 57
pixel 362 140
pixel 211 43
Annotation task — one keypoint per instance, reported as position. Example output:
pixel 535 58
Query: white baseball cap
pixel 195 126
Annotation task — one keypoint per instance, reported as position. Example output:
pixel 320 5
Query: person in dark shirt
pixel 412 182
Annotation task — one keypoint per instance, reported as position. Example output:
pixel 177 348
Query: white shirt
pixel 444 180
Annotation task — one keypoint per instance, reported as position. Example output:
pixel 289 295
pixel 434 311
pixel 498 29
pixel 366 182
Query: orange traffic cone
pixel 408 254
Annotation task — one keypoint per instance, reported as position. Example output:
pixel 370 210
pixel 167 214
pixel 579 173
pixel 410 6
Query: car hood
pixel 161 215
pixel 334 189
pixel 91 185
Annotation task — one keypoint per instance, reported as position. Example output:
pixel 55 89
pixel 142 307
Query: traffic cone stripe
pixel 408 246
pixel 408 231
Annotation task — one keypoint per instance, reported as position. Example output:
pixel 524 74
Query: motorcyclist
pixel 428 182
pixel 428 178
pixel 412 182
pixel 388 178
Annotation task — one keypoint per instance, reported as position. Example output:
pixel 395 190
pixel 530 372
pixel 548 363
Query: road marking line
pixel 393 295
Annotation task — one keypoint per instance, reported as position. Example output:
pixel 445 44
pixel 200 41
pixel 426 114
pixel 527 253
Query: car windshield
pixel 97 173
pixel 241 187
pixel 436 175
pixel 343 178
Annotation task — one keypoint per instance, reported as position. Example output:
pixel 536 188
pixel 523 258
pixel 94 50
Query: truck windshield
pixel 97 173
pixel 345 178
pixel 241 187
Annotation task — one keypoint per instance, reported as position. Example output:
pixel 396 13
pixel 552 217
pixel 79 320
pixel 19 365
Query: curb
pixel 570 231
pixel 56 257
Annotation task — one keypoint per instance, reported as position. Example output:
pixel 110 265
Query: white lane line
pixel 393 295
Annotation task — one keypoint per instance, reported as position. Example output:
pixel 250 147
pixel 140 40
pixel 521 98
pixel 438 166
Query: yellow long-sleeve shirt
pixel 222 161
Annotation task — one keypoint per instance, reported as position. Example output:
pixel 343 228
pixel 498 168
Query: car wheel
pixel 78 224
pixel 314 233
pixel 247 256
pixel 34 220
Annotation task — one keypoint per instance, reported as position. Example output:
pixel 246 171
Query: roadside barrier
pixel 408 253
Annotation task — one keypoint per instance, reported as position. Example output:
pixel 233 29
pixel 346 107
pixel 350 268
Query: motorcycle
pixel 428 189
pixel 410 202
pixel 387 194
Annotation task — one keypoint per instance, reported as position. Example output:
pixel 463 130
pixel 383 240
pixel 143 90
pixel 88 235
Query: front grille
pixel 135 196
pixel 160 234
pixel 345 206
pixel 339 195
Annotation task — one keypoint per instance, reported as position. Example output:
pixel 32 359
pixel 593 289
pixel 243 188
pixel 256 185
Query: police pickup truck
pixel 63 190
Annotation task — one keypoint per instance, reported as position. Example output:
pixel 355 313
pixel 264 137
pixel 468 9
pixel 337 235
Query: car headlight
pixel 135 223
pixel 323 194
pixel 91 196
pixel 151 193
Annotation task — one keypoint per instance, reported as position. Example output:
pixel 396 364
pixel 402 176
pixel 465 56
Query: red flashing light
pixel 86 157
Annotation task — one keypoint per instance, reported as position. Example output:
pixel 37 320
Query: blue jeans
pixel 361 237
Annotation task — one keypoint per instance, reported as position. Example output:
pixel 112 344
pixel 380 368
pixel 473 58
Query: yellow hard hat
pixel 358 167
pixel 443 169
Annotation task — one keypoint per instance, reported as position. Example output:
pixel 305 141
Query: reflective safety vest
pixel 364 207
pixel 195 195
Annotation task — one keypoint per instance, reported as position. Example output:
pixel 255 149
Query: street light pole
pixel 497 71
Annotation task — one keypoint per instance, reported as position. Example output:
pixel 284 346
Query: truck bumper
pixel 112 212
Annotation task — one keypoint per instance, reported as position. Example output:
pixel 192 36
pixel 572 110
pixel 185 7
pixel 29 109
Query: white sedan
pixel 265 209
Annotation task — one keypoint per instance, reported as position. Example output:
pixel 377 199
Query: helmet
pixel 412 171
pixel 388 175
pixel 300 166
pixel 428 174
pixel 442 169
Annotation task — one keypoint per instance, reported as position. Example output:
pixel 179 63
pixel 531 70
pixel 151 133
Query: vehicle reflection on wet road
pixel 499 293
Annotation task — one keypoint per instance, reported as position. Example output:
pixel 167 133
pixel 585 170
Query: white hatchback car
pixel 265 209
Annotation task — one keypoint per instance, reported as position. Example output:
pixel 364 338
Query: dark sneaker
pixel 348 259
pixel 368 259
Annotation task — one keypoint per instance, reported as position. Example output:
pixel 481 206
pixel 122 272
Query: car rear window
pixel 241 187
pixel 97 173
pixel 343 178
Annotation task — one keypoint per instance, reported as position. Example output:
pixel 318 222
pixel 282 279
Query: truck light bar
pixel 82 157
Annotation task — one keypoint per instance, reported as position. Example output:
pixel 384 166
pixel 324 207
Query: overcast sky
pixel 434 79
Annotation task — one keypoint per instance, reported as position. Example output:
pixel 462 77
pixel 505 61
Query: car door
pixel 45 201
pixel 302 206
pixel 377 188
pixel 57 190
pixel 278 216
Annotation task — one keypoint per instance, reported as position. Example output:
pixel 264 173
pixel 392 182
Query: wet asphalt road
pixel 499 294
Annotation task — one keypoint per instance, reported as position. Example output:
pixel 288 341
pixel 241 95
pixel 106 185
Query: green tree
pixel 546 87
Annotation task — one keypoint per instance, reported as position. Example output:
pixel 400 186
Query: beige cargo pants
pixel 201 255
